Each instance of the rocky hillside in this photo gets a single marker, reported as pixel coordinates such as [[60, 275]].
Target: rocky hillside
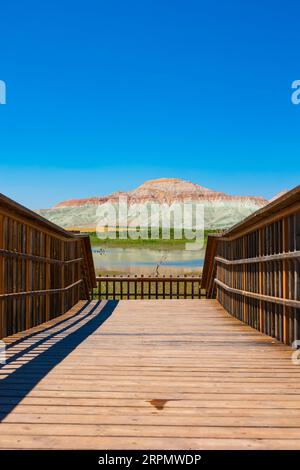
[[221, 210]]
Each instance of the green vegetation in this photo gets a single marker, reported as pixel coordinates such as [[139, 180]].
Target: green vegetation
[[120, 242]]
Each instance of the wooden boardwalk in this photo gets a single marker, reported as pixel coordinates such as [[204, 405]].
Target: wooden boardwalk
[[163, 374]]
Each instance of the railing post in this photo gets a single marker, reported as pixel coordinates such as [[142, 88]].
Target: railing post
[[285, 280], [2, 311], [47, 277], [261, 251], [28, 274]]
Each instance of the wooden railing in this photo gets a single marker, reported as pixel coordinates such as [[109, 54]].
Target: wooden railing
[[142, 287], [44, 270], [253, 269]]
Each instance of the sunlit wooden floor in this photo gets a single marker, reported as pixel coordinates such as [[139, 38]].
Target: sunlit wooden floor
[[163, 374]]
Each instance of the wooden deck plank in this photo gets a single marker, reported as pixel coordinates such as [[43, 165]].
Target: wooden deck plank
[[158, 374]]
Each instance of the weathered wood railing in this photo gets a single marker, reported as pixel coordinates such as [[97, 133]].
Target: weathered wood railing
[[145, 287], [253, 269], [44, 270]]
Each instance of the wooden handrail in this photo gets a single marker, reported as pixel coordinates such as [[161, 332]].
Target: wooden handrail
[[148, 287], [259, 259], [41, 292], [254, 295], [253, 269], [141, 278], [44, 269], [41, 259]]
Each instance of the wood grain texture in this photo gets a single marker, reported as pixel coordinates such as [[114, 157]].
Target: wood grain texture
[[44, 270], [148, 374], [255, 275]]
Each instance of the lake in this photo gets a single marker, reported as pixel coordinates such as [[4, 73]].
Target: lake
[[148, 261]]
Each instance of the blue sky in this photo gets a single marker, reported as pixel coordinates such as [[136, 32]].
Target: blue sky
[[103, 95]]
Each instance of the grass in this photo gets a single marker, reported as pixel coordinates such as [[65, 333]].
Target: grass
[[144, 242]]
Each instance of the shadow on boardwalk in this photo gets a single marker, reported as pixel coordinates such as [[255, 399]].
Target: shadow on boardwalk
[[46, 349]]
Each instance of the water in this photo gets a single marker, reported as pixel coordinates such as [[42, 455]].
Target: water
[[150, 261]]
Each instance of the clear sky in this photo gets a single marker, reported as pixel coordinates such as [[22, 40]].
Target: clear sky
[[105, 94]]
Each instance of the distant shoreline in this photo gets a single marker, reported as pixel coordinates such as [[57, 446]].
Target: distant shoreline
[[144, 242]]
